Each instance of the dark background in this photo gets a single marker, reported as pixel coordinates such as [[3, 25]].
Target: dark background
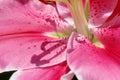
[[6, 75]]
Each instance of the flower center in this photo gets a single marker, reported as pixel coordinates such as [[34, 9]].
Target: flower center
[[79, 11]]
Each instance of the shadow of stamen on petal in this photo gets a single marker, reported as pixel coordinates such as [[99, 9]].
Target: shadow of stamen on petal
[[23, 1], [50, 50]]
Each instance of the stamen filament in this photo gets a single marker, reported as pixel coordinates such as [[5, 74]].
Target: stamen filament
[[79, 14]]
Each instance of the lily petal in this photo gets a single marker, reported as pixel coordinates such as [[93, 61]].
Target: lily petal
[[29, 16], [50, 73], [68, 76], [100, 11], [64, 13], [89, 62], [23, 43], [23, 52], [108, 34], [110, 38]]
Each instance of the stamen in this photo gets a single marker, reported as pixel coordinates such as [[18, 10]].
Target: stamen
[[87, 9], [80, 16], [79, 13]]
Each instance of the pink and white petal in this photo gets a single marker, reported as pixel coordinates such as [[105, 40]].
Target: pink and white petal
[[114, 19], [64, 13], [29, 16], [100, 11], [22, 40], [49, 73], [68, 76], [92, 63], [110, 38], [25, 51]]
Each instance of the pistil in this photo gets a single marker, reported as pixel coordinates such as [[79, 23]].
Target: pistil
[[79, 17], [79, 14]]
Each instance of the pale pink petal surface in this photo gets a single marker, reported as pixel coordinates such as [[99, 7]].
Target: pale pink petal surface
[[65, 13], [23, 26], [30, 51], [100, 10], [68, 76], [49, 73], [29, 16], [89, 62]]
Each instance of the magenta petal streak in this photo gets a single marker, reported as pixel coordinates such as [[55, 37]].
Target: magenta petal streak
[[110, 37], [92, 63]]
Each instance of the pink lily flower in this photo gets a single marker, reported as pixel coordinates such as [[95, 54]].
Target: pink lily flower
[[32, 39]]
